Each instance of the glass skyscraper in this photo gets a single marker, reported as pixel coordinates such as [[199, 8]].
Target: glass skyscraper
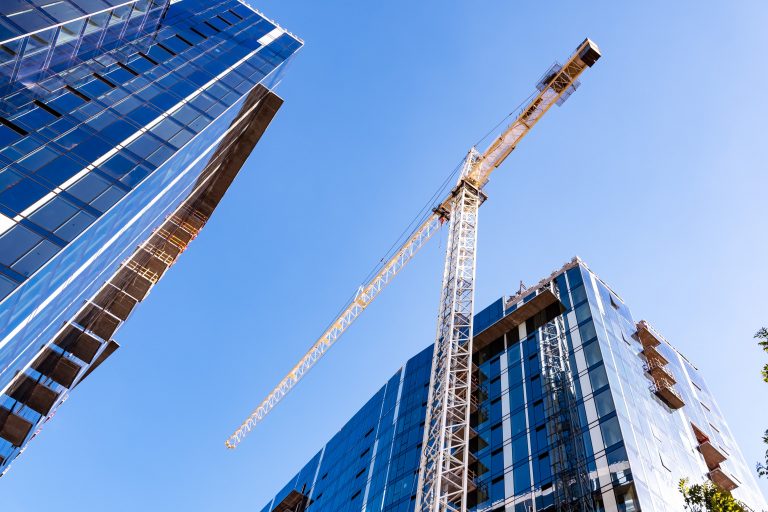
[[122, 123], [609, 422]]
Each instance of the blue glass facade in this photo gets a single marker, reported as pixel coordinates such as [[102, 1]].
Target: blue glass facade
[[634, 438], [110, 115]]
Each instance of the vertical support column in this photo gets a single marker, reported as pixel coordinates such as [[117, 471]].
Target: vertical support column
[[444, 470]]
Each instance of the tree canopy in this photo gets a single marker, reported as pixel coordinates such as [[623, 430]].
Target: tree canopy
[[707, 497], [762, 337]]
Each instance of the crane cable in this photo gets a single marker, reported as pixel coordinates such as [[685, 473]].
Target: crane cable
[[428, 207]]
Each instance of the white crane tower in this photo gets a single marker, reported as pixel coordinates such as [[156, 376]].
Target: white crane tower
[[444, 468]]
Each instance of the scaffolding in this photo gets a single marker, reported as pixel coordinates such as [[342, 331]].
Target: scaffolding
[[572, 489], [662, 379]]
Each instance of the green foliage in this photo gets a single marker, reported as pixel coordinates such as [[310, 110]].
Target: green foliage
[[762, 337], [762, 469], [707, 497]]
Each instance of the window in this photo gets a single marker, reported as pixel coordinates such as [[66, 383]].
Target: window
[[120, 75], [104, 80], [88, 187], [6, 286], [224, 20], [38, 159], [8, 136], [604, 403], [214, 27], [578, 294], [59, 170], [53, 214], [516, 398], [582, 312], [22, 195], [538, 412], [161, 52], [8, 178], [522, 479], [95, 88], [611, 431], [520, 449], [198, 33], [13, 126], [75, 226], [36, 258], [176, 44], [598, 377], [518, 423], [592, 353], [150, 59], [77, 93], [127, 68], [108, 198], [67, 102], [587, 331], [16, 242], [542, 469], [48, 109]]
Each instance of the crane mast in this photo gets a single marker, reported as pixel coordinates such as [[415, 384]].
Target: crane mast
[[444, 477]]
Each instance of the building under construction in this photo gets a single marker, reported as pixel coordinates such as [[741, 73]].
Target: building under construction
[[576, 406]]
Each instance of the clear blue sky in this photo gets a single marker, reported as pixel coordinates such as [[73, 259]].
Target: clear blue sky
[[654, 172]]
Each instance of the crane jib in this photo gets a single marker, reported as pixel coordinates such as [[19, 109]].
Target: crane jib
[[556, 85]]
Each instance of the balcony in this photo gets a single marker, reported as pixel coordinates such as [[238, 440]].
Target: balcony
[[116, 301], [80, 344], [13, 428], [713, 456], [57, 367], [648, 336], [722, 479], [669, 396], [654, 356], [31, 393], [660, 374], [293, 502], [98, 321]]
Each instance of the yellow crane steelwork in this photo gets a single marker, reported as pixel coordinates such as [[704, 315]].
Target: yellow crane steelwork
[[443, 471]]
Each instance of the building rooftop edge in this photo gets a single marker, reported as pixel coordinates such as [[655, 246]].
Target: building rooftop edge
[[249, 5], [575, 261]]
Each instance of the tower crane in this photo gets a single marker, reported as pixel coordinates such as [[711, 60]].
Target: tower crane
[[444, 467]]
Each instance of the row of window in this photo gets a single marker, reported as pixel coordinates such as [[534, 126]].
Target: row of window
[[57, 46], [97, 189]]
